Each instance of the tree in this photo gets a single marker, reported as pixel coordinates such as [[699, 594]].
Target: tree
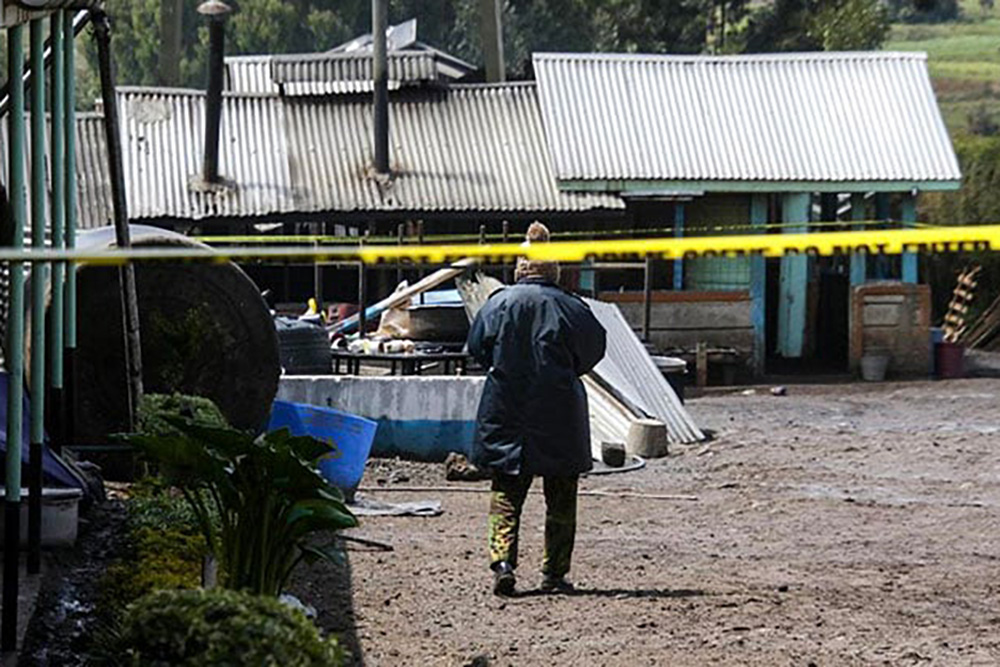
[[817, 25], [304, 26]]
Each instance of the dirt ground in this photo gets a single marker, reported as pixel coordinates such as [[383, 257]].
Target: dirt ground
[[836, 525]]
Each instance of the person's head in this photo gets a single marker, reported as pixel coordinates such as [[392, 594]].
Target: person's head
[[536, 268]]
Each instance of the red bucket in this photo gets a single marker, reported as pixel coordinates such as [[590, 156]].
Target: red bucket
[[949, 360]]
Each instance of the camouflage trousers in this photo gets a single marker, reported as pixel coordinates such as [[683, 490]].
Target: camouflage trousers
[[506, 500]]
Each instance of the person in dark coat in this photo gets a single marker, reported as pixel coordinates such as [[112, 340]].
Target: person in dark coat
[[535, 340]]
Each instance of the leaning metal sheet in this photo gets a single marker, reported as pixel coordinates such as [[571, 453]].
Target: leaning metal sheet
[[628, 371]]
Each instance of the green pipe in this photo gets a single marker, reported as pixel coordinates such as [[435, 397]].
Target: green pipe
[[39, 271], [15, 341], [39, 278], [59, 179], [67, 409], [15, 324], [70, 138]]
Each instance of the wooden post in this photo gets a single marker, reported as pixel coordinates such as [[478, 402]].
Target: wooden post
[[647, 294], [910, 268], [859, 268], [794, 281], [758, 287], [130, 306], [506, 237], [701, 363], [678, 232], [399, 242], [883, 268]]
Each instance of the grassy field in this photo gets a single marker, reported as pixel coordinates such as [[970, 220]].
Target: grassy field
[[964, 59]]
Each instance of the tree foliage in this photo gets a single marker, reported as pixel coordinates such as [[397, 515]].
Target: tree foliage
[[652, 26], [817, 25]]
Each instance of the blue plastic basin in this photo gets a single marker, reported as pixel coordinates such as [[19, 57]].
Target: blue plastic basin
[[349, 436]]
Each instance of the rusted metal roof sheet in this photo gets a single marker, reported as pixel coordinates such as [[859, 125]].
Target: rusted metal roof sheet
[[812, 117], [630, 374], [93, 183], [468, 148]]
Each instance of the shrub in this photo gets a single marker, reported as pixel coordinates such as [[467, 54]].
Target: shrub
[[155, 409], [221, 627], [165, 548], [257, 500]]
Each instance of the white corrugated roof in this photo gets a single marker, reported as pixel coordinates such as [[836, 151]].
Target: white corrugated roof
[[468, 148], [860, 117]]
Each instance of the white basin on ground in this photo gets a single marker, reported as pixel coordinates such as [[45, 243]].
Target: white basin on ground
[[60, 516]]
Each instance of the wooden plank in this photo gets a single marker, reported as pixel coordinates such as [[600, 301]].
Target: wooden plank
[[739, 339], [701, 364], [691, 316]]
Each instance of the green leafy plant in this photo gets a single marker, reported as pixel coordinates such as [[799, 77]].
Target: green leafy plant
[[155, 409], [257, 500], [219, 627]]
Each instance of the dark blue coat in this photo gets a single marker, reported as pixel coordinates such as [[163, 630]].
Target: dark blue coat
[[536, 340]]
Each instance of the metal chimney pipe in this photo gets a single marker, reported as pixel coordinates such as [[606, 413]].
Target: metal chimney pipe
[[380, 76], [216, 12]]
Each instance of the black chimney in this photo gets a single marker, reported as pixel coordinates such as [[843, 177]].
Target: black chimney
[[380, 76], [216, 12]]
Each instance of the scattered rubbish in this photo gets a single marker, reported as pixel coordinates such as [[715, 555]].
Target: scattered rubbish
[[365, 506], [433, 280], [779, 391], [748, 392], [293, 602], [457, 468], [632, 463], [613, 454]]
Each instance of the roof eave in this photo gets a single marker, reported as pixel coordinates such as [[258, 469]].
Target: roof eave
[[624, 187]]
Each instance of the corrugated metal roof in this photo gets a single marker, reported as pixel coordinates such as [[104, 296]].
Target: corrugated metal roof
[[610, 419], [630, 374], [785, 117], [93, 191], [467, 148], [162, 146], [250, 75], [336, 73]]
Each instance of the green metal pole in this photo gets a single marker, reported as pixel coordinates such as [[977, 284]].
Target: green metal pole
[[68, 411], [58, 95], [15, 342], [39, 278]]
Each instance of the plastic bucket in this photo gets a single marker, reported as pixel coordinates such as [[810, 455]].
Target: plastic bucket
[[874, 366], [949, 360], [349, 436]]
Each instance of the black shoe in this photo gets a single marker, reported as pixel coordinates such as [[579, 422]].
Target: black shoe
[[552, 583], [503, 579]]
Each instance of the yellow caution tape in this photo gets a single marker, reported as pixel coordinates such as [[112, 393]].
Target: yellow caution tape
[[923, 241], [434, 239]]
